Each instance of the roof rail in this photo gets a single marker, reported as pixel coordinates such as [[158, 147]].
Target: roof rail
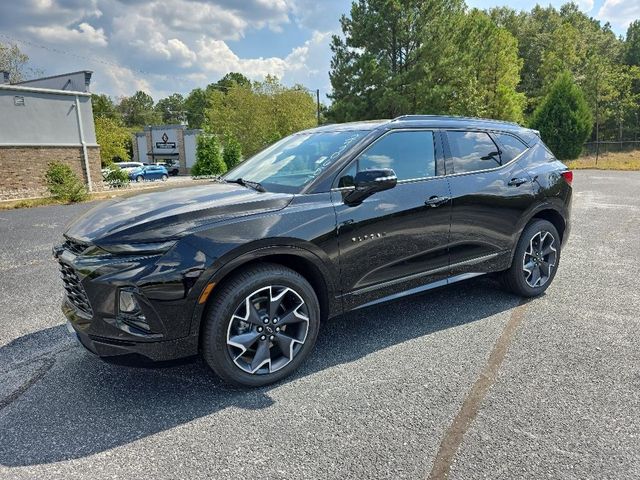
[[450, 117]]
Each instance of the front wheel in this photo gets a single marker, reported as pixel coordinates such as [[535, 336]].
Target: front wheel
[[261, 325], [165, 177], [535, 260], [139, 178]]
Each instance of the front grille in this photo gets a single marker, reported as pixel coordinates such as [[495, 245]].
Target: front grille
[[75, 246], [75, 291]]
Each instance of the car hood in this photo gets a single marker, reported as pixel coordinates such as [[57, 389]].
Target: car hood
[[160, 216]]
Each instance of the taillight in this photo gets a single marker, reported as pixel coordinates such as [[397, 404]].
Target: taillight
[[568, 176]]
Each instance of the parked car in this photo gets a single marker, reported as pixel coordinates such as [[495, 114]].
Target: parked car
[[171, 167], [128, 166], [244, 270], [149, 172]]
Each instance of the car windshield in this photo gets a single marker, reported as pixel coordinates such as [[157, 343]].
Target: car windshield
[[294, 161]]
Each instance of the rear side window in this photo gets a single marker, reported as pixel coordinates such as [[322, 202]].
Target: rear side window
[[411, 154], [511, 147], [472, 151]]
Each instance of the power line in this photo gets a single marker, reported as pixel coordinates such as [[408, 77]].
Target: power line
[[93, 59]]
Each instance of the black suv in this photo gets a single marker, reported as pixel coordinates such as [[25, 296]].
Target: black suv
[[244, 269]]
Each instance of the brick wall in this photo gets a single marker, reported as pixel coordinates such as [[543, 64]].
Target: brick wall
[[22, 169]]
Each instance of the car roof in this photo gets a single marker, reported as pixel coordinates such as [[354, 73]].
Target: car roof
[[424, 121]]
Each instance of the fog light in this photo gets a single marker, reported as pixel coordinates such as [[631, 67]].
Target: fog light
[[127, 302]]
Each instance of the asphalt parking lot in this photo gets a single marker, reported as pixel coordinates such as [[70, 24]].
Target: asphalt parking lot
[[467, 380]]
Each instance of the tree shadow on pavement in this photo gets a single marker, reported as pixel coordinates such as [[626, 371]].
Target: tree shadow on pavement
[[81, 405]]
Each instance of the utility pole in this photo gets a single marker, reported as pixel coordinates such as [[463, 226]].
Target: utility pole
[[318, 104], [597, 119]]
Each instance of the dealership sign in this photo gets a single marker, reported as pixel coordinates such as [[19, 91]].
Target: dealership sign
[[165, 144]]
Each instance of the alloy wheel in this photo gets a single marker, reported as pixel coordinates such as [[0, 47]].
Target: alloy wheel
[[267, 330], [539, 259]]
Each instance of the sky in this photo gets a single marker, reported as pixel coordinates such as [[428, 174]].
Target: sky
[[166, 46]]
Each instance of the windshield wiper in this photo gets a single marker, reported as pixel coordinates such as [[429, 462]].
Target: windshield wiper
[[248, 183]]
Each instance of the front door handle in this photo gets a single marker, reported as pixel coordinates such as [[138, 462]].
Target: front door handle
[[436, 201], [516, 182]]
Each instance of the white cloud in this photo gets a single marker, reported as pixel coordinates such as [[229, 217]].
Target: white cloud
[[215, 56], [83, 33], [620, 12], [120, 81]]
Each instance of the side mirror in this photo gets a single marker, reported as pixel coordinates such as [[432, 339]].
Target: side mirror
[[368, 182]]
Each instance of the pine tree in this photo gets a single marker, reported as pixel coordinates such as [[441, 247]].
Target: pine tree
[[563, 118], [209, 160]]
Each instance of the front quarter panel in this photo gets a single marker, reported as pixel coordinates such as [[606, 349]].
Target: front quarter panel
[[305, 228]]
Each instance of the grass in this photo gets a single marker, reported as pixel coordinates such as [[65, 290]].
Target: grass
[[608, 161]]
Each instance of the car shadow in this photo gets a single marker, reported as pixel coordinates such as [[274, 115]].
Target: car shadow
[[80, 405]]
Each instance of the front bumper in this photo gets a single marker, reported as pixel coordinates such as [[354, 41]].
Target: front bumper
[[165, 288], [113, 347]]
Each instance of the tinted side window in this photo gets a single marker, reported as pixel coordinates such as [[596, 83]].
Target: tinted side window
[[511, 147], [472, 151], [410, 154]]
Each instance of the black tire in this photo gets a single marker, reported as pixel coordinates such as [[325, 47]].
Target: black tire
[[230, 297], [165, 177], [519, 280], [139, 178]]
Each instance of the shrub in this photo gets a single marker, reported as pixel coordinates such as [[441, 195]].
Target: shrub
[[116, 177], [64, 184], [232, 153], [209, 159], [563, 118]]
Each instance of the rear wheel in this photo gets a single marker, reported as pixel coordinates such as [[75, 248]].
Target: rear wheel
[[261, 325], [535, 260]]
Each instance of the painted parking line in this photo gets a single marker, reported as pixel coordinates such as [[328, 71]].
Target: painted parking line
[[473, 401]]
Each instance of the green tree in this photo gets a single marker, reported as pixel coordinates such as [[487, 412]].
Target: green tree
[[423, 56], [389, 56], [563, 118], [114, 140], [632, 44], [209, 159], [103, 107], [14, 61], [233, 79], [171, 109], [137, 110], [491, 69], [195, 106], [259, 114], [232, 153]]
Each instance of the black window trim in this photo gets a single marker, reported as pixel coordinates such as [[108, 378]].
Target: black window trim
[[439, 157], [491, 133]]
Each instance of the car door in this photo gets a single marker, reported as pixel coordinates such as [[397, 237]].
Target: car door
[[152, 172], [490, 191], [396, 239]]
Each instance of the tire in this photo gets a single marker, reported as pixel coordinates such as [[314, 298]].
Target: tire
[[139, 178], [227, 318], [530, 256], [165, 177]]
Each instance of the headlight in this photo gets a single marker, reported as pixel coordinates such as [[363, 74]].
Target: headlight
[[139, 248]]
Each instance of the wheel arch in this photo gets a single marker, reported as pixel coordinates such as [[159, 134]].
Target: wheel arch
[[554, 217], [545, 211], [300, 260]]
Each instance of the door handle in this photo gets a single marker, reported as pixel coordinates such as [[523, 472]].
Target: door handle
[[436, 201], [516, 182]]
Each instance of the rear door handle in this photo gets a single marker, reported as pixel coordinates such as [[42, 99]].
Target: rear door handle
[[436, 201], [516, 182]]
